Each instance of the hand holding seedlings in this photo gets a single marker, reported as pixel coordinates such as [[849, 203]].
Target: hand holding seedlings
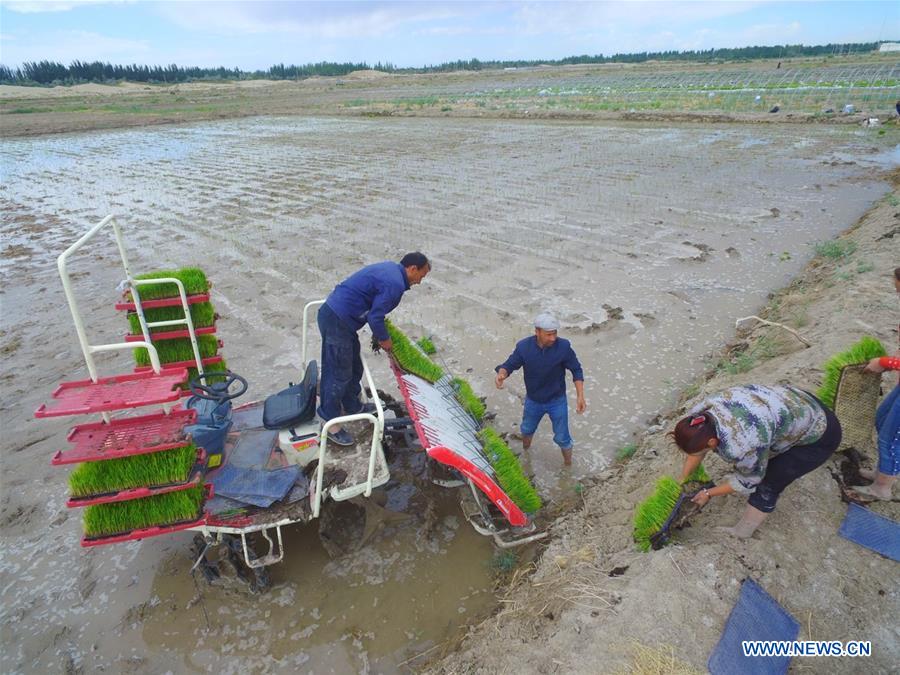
[[501, 375]]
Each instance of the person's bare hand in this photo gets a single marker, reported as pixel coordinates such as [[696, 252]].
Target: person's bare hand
[[701, 498], [580, 406], [874, 366], [386, 345], [499, 380]]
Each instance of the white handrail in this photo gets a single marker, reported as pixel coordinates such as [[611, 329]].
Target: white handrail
[[187, 320], [377, 421], [306, 309]]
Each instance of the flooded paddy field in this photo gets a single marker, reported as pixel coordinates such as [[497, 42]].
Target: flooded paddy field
[[648, 242]]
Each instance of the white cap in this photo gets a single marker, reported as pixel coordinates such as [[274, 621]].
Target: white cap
[[546, 321]]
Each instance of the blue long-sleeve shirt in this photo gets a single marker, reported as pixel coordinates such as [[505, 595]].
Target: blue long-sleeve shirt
[[368, 295], [545, 369]]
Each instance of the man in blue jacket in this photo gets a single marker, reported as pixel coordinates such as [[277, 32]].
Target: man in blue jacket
[[365, 297], [545, 358]]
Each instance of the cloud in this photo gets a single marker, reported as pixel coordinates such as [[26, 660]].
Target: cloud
[[46, 6], [564, 18], [313, 19], [68, 46]]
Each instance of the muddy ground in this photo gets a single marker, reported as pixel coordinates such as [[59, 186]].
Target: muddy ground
[[648, 241]]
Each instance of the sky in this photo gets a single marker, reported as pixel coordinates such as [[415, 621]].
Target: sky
[[256, 35]]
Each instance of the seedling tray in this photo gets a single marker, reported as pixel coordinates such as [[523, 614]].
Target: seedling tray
[[193, 479], [172, 334], [118, 392], [164, 302], [127, 436], [183, 365], [135, 535]]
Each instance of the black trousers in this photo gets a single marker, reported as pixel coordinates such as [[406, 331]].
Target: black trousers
[[795, 462]]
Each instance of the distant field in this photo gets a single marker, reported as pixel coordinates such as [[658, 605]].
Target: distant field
[[802, 89]]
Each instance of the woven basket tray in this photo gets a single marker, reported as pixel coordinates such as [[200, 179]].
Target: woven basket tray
[[855, 404]]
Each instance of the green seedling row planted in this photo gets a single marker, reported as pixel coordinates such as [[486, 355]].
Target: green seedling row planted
[[467, 398], [174, 351], [509, 472], [410, 357], [652, 513], [150, 470], [866, 349], [202, 314], [160, 510], [193, 279], [427, 346]]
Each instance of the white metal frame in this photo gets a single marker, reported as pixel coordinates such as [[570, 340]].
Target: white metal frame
[[377, 421], [87, 349]]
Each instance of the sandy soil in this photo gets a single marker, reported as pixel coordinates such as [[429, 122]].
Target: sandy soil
[[630, 232], [594, 604]]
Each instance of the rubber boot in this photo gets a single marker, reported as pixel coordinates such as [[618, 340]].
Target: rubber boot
[[746, 526]]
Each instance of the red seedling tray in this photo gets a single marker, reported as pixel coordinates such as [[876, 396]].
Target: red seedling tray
[[167, 367], [193, 479], [125, 437], [164, 302], [134, 535], [172, 334], [84, 397]]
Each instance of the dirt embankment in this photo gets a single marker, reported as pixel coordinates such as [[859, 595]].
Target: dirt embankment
[[592, 603]]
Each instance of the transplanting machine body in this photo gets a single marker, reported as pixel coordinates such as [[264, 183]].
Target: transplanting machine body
[[253, 468]]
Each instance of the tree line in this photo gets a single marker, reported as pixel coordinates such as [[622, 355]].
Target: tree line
[[52, 72]]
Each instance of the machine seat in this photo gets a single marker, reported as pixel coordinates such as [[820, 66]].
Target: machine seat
[[295, 405]]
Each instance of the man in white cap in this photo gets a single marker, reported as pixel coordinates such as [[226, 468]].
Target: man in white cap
[[545, 359]]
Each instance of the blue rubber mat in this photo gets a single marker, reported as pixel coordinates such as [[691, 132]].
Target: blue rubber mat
[[756, 616], [867, 528], [253, 486]]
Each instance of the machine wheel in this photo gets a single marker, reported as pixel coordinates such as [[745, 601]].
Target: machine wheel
[[257, 579], [209, 570]]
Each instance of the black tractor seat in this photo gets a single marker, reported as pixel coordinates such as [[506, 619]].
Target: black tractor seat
[[295, 405]]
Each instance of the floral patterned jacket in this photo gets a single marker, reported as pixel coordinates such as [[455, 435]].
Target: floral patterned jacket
[[755, 423]]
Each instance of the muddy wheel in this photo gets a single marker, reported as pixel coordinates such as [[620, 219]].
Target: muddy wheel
[[257, 579], [342, 526], [209, 570]]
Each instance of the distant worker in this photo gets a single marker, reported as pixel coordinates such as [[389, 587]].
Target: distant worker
[[365, 297], [771, 435], [887, 423], [545, 358]]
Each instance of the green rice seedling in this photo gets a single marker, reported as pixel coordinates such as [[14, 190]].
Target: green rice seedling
[[202, 314], [410, 358], [467, 398], [504, 562], [509, 472], [626, 452], [426, 345], [149, 470], [174, 351], [119, 517], [219, 367], [193, 279], [652, 513], [864, 350], [698, 475]]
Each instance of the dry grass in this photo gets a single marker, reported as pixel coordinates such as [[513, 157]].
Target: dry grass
[[659, 660]]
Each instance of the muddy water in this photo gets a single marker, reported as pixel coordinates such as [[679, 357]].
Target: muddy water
[[647, 242]]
